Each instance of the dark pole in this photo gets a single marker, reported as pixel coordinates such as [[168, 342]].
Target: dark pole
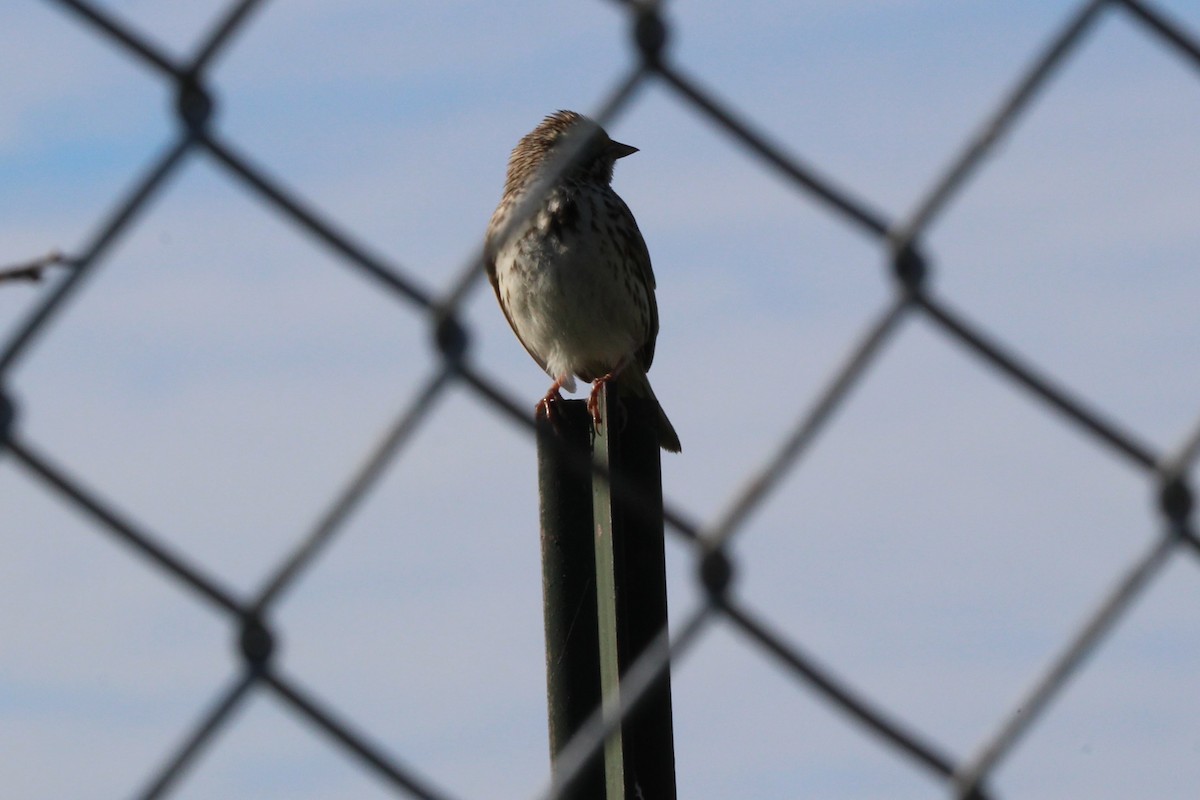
[[569, 585], [605, 594]]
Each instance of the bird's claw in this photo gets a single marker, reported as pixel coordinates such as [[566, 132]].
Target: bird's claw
[[547, 407], [593, 401]]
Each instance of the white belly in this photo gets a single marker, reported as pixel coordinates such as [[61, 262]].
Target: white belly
[[569, 298]]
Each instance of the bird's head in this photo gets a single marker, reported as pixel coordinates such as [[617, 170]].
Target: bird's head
[[565, 141]]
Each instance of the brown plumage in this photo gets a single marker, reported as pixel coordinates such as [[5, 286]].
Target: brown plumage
[[574, 279]]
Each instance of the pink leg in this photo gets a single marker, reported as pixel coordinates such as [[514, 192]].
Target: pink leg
[[545, 406], [593, 403]]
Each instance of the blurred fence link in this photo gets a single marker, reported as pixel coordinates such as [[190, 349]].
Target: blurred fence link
[[965, 774]]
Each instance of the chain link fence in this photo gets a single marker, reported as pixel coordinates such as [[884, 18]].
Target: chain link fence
[[965, 770]]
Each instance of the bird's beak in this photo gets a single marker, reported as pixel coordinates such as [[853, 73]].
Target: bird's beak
[[619, 150]]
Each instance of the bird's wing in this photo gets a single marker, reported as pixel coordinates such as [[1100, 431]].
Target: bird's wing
[[634, 247], [489, 266]]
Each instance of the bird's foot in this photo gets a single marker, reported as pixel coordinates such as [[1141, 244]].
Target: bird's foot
[[593, 402], [547, 407]]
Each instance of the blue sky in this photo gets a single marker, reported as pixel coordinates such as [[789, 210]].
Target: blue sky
[[222, 374]]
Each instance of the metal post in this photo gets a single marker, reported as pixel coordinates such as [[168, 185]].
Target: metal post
[[604, 582], [569, 584]]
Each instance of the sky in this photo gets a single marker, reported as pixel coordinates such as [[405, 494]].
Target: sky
[[222, 374]]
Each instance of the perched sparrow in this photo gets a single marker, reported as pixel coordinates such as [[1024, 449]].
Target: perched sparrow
[[574, 280]]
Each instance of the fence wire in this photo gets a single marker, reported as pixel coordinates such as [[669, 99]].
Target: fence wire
[[965, 774]]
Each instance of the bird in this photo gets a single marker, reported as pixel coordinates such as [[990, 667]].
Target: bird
[[570, 268]]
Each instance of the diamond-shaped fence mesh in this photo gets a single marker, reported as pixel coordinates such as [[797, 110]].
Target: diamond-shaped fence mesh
[[964, 768]]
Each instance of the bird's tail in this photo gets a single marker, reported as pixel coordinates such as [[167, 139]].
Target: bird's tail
[[634, 382]]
